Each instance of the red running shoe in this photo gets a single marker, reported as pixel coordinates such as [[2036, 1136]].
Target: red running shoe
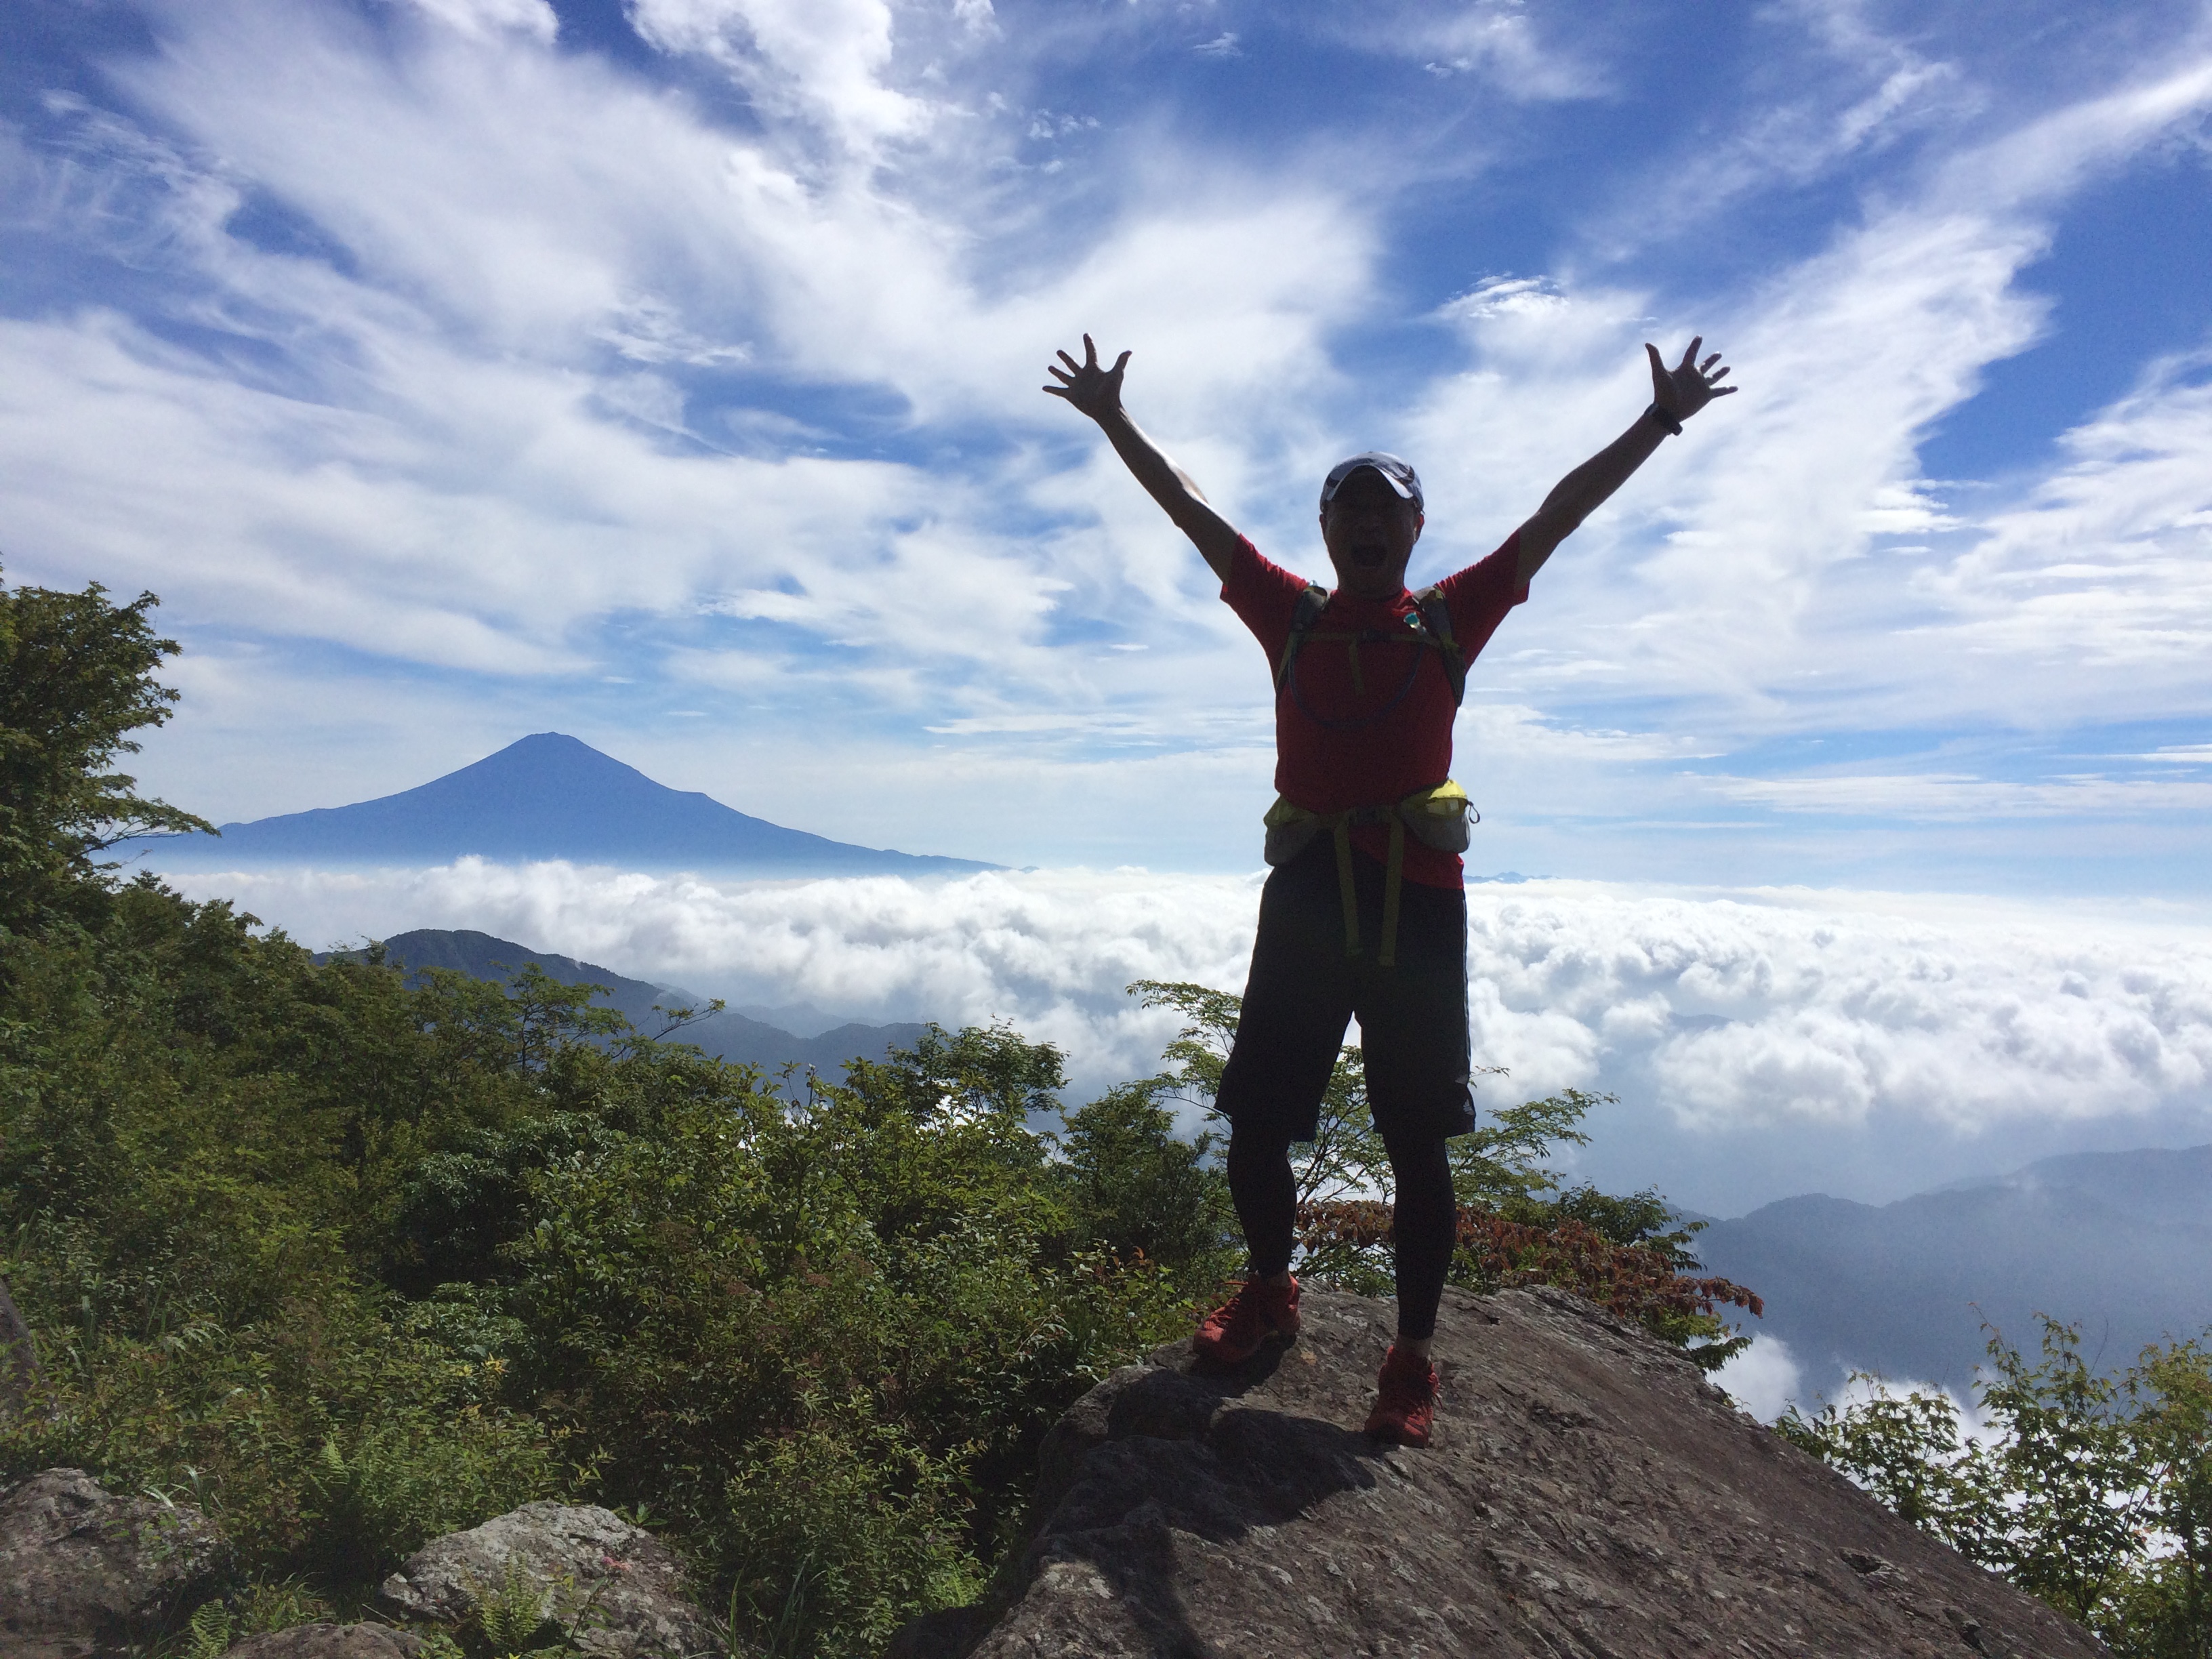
[[1235, 1330], [1405, 1399]]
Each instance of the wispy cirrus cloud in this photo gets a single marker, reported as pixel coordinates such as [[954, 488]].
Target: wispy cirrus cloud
[[823, 58], [1964, 797], [480, 19], [2105, 568], [439, 339], [1757, 579]]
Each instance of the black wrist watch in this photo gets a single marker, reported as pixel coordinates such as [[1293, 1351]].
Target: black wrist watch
[[1665, 419]]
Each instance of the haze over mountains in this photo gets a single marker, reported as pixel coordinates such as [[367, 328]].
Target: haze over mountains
[[728, 1035], [547, 796], [2118, 1244]]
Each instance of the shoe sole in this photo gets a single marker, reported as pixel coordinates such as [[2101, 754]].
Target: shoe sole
[[1391, 1438]]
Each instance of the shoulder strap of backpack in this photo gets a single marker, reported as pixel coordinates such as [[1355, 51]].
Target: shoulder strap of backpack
[[1303, 615], [1435, 621]]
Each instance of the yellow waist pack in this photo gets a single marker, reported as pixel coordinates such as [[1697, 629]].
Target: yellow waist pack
[[1438, 816]]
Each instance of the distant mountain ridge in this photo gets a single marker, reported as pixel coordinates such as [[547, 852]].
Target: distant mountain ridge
[[2118, 1243], [546, 796], [728, 1035]]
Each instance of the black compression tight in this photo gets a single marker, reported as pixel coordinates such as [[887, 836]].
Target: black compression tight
[[1266, 1196], [1425, 1222]]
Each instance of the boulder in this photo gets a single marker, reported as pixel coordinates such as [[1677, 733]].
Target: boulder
[[1588, 1492], [83, 1571], [329, 1642], [619, 1589]]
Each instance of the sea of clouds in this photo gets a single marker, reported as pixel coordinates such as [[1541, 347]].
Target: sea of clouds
[[1766, 1380], [1761, 1042]]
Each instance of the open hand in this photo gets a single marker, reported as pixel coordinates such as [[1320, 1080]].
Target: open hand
[[1682, 390], [1097, 392]]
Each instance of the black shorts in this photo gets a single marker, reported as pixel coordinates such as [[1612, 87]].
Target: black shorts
[[1304, 990]]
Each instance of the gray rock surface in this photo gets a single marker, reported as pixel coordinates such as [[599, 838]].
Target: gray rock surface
[[1589, 1493], [620, 1588], [329, 1642], [19, 1355], [83, 1571]]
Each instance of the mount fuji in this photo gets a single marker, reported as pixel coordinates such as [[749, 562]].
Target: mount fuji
[[548, 796]]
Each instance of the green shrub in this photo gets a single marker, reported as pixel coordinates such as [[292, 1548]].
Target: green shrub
[[77, 677], [322, 1441], [352, 1263], [1136, 1190], [2092, 1491], [834, 1534]]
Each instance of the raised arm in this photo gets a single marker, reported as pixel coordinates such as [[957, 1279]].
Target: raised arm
[[1677, 393], [1097, 392]]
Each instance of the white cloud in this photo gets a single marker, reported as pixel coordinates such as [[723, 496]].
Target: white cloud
[[1756, 1011], [1050, 952], [1825, 90], [2102, 573], [1962, 798], [2054, 154], [350, 526], [1779, 1014], [1495, 40], [826, 56], [1893, 87], [480, 19], [554, 371], [1764, 1379], [1741, 579], [451, 469]]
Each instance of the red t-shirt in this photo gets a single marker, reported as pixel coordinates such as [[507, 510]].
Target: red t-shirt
[[1338, 744]]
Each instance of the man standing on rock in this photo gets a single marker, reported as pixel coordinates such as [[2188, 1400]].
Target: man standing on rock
[[1364, 912]]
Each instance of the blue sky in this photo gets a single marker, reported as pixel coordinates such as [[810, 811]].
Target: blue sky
[[665, 373]]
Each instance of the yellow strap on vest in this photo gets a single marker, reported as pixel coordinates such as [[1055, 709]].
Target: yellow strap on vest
[[1446, 799], [1391, 881], [1342, 827]]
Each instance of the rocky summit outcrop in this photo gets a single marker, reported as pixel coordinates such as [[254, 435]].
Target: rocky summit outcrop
[[618, 1589], [1589, 1493], [83, 1571]]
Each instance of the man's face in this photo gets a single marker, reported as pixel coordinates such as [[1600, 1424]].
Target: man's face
[[1370, 530]]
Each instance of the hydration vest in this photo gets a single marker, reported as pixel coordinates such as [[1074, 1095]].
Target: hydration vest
[[1438, 815], [1427, 625]]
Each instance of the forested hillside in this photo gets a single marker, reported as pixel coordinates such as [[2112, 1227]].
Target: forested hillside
[[654, 1009]]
